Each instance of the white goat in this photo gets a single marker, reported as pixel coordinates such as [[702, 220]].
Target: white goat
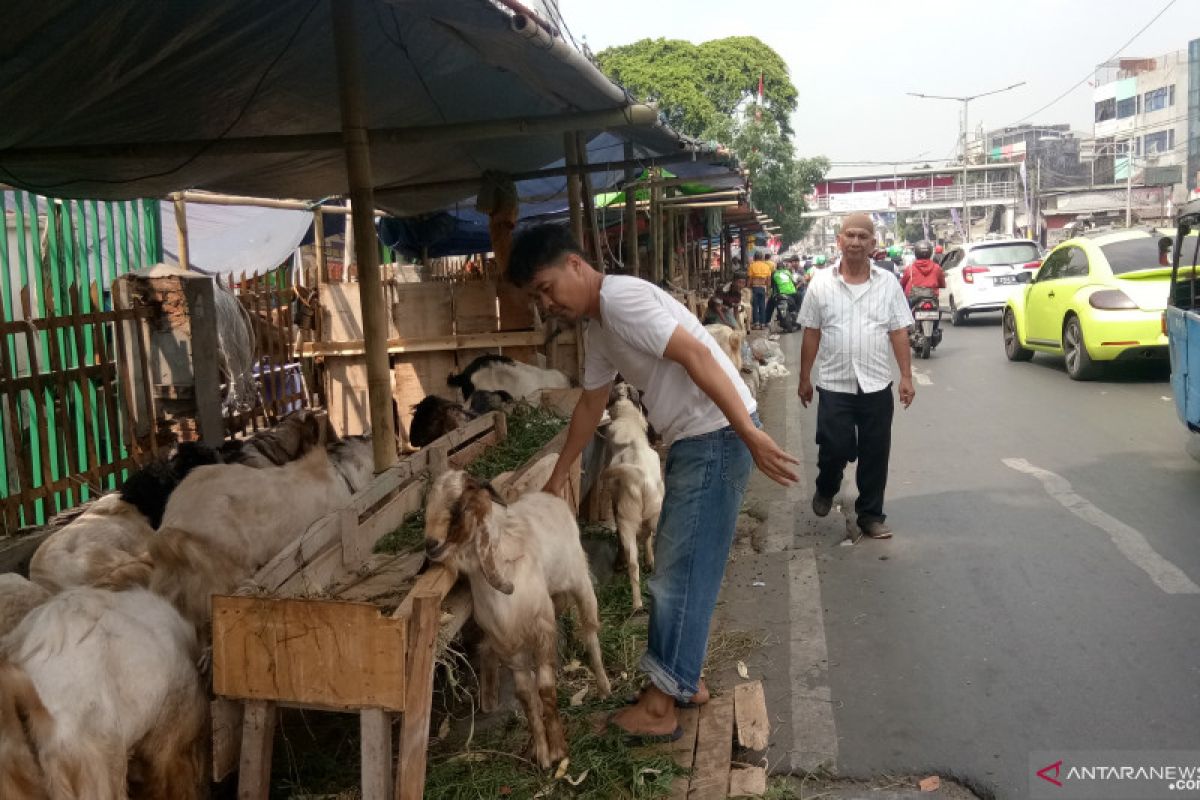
[[18, 597], [634, 483], [524, 562], [91, 680], [520, 381], [729, 341], [223, 523], [109, 534], [113, 530]]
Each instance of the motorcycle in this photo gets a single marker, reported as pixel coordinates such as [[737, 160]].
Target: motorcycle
[[786, 310], [926, 332]]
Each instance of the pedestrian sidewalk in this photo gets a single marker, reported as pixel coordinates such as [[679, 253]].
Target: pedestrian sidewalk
[[772, 597]]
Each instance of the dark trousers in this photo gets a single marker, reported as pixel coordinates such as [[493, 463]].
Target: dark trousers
[[758, 305], [849, 427]]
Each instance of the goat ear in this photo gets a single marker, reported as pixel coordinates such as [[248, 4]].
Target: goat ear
[[478, 510]]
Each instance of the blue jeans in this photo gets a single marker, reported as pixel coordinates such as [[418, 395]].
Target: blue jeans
[[758, 305], [705, 480]]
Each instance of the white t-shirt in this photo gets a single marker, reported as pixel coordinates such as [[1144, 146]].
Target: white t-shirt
[[636, 321]]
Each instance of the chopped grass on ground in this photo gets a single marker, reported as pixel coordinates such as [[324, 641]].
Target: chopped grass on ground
[[409, 537], [529, 429]]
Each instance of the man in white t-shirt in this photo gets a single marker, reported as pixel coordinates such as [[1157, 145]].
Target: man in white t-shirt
[[702, 408]]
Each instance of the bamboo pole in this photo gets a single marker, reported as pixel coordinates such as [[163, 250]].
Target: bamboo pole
[[574, 194], [358, 169], [319, 246], [182, 228], [655, 267], [217, 199], [630, 213], [589, 202], [672, 226]]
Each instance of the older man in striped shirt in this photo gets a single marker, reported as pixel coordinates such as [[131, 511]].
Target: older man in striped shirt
[[855, 318]]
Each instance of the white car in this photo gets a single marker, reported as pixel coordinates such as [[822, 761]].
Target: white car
[[980, 276]]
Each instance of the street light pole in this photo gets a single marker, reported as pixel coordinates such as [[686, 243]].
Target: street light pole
[[1128, 185], [964, 100]]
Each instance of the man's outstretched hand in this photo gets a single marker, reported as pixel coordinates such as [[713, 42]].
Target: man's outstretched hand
[[771, 459]]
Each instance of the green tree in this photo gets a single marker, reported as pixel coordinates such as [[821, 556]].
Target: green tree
[[703, 91], [778, 180], [700, 87]]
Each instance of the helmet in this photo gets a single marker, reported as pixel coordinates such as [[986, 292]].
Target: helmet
[[820, 261], [923, 249], [894, 251]]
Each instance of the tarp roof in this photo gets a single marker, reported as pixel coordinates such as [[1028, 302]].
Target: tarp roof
[[133, 98]]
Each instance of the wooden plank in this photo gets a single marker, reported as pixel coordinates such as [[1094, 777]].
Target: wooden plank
[[258, 739], [475, 308], [750, 713], [17, 451], [387, 482], [387, 580], [516, 308], [355, 347], [683, 751], [226, 736], [141, 335], [375, 727], [414, 729], [416, 376], [561, 401], [358, 540], [461, 458], [312, 652], [420, 311], [748, 782], [436, 580], [714, 748]]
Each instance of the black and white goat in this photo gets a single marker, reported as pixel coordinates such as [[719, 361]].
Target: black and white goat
[[634, 483], [115, 528], [496, 373], [524, 561]]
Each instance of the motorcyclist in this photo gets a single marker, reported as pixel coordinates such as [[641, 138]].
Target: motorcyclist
[[924, 273], [895, 254], [784, 295]]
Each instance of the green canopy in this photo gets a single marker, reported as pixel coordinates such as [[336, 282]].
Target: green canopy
[[606, 199]]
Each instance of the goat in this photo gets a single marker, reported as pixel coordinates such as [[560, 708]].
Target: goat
[[524, 561], [96, 686], [634, 483], [501, 374], [224, 523], [729, 340], [115, 528], [433, 418], [18, 596], [292, 437], [463, 380]]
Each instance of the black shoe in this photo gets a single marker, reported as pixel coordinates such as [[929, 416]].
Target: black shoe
[[876, 529], [821, 505]]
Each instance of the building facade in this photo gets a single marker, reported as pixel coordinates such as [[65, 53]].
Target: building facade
[[1142, 109]]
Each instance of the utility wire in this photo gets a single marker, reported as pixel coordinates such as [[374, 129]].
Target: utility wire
[[1093, 72]]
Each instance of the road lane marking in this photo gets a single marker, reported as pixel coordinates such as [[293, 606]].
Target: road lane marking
[[814, 730], [1129, 541], [922, 379]]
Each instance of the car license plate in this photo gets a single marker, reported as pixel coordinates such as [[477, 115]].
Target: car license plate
[[927, 315], [1004, 280]]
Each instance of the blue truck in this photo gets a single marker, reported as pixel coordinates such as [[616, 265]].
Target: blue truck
[[1182, 321]]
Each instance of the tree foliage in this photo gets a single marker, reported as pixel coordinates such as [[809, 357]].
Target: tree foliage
[[703, 90], [699, 87]]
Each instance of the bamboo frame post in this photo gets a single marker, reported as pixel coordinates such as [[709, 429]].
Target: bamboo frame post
[[630, 214], [589, 201], [574, 193], [655, 267], [182, 228], [358, 168], [672, 225], [319, 245]]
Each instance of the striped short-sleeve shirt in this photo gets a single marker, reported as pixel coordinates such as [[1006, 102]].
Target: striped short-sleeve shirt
[[854, 322]]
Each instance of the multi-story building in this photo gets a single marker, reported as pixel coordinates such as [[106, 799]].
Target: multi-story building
[[1050, 152], [1141, 121]]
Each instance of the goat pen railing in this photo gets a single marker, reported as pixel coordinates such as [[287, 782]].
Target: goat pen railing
[[63, 422]]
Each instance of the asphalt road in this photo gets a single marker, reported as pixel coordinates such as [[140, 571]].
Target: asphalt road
[[1013, 612]]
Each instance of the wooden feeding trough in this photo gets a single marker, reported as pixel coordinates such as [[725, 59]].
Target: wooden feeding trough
[[335, 627]]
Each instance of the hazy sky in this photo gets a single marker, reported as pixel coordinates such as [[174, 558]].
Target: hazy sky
[[852, 62]]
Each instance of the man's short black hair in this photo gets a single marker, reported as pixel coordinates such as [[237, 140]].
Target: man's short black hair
[[537, 248]]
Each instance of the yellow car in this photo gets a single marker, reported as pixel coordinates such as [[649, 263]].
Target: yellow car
[[1095, 298]]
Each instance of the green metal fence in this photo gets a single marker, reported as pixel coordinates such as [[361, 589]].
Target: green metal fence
[[62, 417]]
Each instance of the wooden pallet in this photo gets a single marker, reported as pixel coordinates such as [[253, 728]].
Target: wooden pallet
[[707, 745]]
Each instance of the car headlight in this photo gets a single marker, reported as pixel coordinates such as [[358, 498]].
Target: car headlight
[[1111, 300]]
